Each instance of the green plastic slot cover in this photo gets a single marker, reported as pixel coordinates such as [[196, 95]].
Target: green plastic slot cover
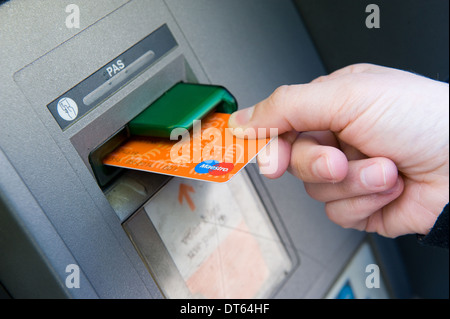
[[179, 107]]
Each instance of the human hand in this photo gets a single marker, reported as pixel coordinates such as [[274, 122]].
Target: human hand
[[371, 142]]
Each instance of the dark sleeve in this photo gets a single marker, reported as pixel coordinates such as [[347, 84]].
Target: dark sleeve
[[438, 235]]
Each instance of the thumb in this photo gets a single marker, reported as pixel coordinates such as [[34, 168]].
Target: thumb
[[317, 106]]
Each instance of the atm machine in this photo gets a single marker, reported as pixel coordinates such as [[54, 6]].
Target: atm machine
[[71, 227]]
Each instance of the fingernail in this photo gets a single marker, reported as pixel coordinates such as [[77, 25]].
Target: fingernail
[[240, 118], [373, 176], [322, 168]]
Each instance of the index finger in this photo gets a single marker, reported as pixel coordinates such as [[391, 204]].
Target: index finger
[[326, 103]]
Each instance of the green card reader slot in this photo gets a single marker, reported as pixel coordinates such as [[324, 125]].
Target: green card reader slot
[[177, 108]]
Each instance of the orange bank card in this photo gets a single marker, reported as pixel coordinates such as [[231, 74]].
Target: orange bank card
[[210, 152]]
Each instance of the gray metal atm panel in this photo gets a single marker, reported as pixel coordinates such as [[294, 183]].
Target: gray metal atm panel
[[250, 47]]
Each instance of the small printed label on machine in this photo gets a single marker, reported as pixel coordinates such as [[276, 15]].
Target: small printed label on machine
[[86, 95]]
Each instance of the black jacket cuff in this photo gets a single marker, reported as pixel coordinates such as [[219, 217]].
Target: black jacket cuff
[[438, 235]]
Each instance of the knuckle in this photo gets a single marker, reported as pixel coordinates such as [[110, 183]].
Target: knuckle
[[280, 95], [338, 216], [331, 213], [360, 67], [300, 170], [311, 190], [320, 79]]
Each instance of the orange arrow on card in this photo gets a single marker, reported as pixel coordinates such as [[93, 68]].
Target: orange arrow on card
[[184, 192]]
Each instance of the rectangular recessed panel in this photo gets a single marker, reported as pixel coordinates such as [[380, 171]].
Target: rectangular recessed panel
[[203, 240]]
